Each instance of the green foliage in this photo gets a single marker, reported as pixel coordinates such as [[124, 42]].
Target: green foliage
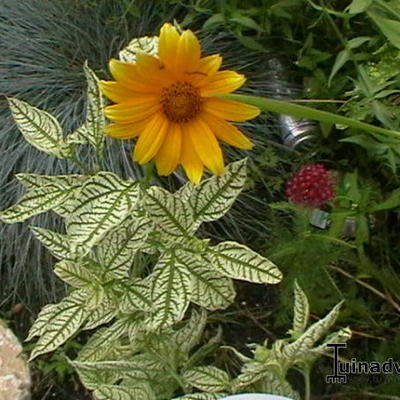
[[108, 220]]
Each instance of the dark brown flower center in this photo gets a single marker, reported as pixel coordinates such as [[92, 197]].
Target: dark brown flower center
[[181, 102]]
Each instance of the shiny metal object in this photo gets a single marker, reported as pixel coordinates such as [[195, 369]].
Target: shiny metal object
[[295, 132]]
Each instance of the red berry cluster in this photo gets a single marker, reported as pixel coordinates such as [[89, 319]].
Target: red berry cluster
[[312, 186]]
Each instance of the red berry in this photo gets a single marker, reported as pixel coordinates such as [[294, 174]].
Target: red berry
[[312, 186]]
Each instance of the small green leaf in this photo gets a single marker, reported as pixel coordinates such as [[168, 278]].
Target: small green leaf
[[39, 128], [341, 58], [358, 6], [393, 201], [389, 27], [239, 262]]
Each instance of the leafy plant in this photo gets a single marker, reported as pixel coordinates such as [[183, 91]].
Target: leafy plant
[[108, 220]]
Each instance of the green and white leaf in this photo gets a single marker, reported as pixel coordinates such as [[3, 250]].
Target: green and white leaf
[[305, 342], [39, 128], [103, 202], [272, 384], [170, 291], [137, 297], [102, 342], [252, 372], [239, 262], [47, 313], [210, 289], [92, 131], [171, 216], [55, 242], [190, 335], [103, 314], [34, 181], [70, 315], [74, 273], [213, 197], [208, 378], [301, 311], [202, 396], [118, 248], [35, 202], [140, 391], [340, 336], [145, 44]]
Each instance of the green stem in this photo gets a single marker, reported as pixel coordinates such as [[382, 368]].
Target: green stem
[[299, 111], [148, 173], [307, 383]]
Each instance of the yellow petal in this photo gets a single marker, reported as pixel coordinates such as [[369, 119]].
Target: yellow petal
[[208, 66], [169, 154], [129, 76], [168, 45], [151, 139], [116, 92], [125, 131], [133, 111], [227, 132], [188, 53], [190, 161], [205, 144], [229, 109], [223, 82]]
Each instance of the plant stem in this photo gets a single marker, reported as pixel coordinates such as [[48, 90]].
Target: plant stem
[[307, 383], [299, 111], [148, 173]]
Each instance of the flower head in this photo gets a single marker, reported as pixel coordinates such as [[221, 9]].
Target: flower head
[[312, 186], [168, 103]]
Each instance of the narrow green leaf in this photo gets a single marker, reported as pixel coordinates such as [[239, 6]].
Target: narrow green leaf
[[39, 128], [389, 27], [239, 262]]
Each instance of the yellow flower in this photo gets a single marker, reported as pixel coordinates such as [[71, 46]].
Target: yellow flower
[[167, 101]]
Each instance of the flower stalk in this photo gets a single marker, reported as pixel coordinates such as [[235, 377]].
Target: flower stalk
[[300, 111]]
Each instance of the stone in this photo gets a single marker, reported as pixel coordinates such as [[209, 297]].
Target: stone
[[15, 378]]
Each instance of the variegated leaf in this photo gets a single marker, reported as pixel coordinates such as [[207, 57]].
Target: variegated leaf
[[104, 201], [252, 372], [170, 291], [103, 314], [92, 131], [304, 343], [189, 336], [103, 341], [47, 313], [209, 289], [39, 128], [213, 197], [118, 248], [141, 391], [145, 44], [301, 310], [74, 273], [136, 297], [55, 242], [169, 213], [70, 315], [34, 181], [340, 336], [202, 396], [209, 379], [35, 202], [271, 383], [239, 262]]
